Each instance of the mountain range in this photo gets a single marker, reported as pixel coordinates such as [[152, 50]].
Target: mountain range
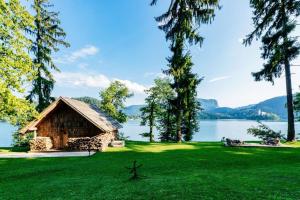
[[270, 109]]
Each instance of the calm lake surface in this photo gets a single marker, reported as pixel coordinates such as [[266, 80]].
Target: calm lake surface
[[210, 130]]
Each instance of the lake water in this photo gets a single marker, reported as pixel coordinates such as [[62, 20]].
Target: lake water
[[210, 130], [6, 131]]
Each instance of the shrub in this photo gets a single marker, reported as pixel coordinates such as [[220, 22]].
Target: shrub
[[265, 133], [22, 140]]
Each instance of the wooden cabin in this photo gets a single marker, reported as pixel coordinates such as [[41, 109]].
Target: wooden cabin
[[69, 118]]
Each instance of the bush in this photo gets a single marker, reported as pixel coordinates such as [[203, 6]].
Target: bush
[[22, 140], [265, 133]]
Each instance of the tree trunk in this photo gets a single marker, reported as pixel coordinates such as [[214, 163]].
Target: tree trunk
[[40, 96], [178, 126], [188, 133], [151, 123], [39, 63], [189, 128], [289, 91], [290, 107], [168, 134], [151, 134]]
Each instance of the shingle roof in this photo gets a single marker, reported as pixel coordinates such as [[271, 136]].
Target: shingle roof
[[90, 112]]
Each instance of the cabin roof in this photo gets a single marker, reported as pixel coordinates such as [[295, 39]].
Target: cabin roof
[[90, 112]]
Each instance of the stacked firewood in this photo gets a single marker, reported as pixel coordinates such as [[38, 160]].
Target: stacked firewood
[[41, 144], [117, 143], [98, 142], [81, 143]]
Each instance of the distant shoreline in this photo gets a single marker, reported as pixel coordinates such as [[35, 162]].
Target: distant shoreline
[[133, 119]]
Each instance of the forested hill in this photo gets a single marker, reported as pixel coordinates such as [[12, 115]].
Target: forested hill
[[270, 109]]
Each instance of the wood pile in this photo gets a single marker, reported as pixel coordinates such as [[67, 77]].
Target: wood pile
[[41, 144], [117, 143], [80, 143], [98, 142]]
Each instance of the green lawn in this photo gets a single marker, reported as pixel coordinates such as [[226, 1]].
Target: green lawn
[[13, 149], [5, 150], [173, 171]]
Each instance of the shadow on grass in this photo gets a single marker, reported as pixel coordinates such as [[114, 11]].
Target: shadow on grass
[[207, 155], [194, 156]]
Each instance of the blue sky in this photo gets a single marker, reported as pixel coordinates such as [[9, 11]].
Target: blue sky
[[119, 40]]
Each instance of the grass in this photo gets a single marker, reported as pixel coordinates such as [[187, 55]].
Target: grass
[[293, 144], [13, 149], [172, 171]]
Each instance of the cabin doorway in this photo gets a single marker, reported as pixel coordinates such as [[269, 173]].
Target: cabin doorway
[[57, 141], [60, 140], [64, 139]]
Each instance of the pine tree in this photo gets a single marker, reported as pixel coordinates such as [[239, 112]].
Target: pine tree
[[192, 107], [15, 62], [48, 35], [180, 23], [274, 23]]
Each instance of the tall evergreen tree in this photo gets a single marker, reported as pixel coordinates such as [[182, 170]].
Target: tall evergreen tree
[[191, 107], [15, 62], [48, 35], [274, 22], [181, 23]]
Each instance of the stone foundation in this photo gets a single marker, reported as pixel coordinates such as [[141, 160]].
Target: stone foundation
[[98, 142], [41, 144]]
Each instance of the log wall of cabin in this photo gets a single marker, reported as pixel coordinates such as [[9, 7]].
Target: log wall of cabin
[[63, 123]]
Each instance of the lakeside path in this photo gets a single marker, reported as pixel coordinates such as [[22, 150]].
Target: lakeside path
[[44, 154]]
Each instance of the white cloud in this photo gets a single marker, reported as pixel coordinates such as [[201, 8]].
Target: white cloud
[[154, 74], [84, 52], [219, 79], [76, 79], [132, 86], [88, 50], [71, 79]]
